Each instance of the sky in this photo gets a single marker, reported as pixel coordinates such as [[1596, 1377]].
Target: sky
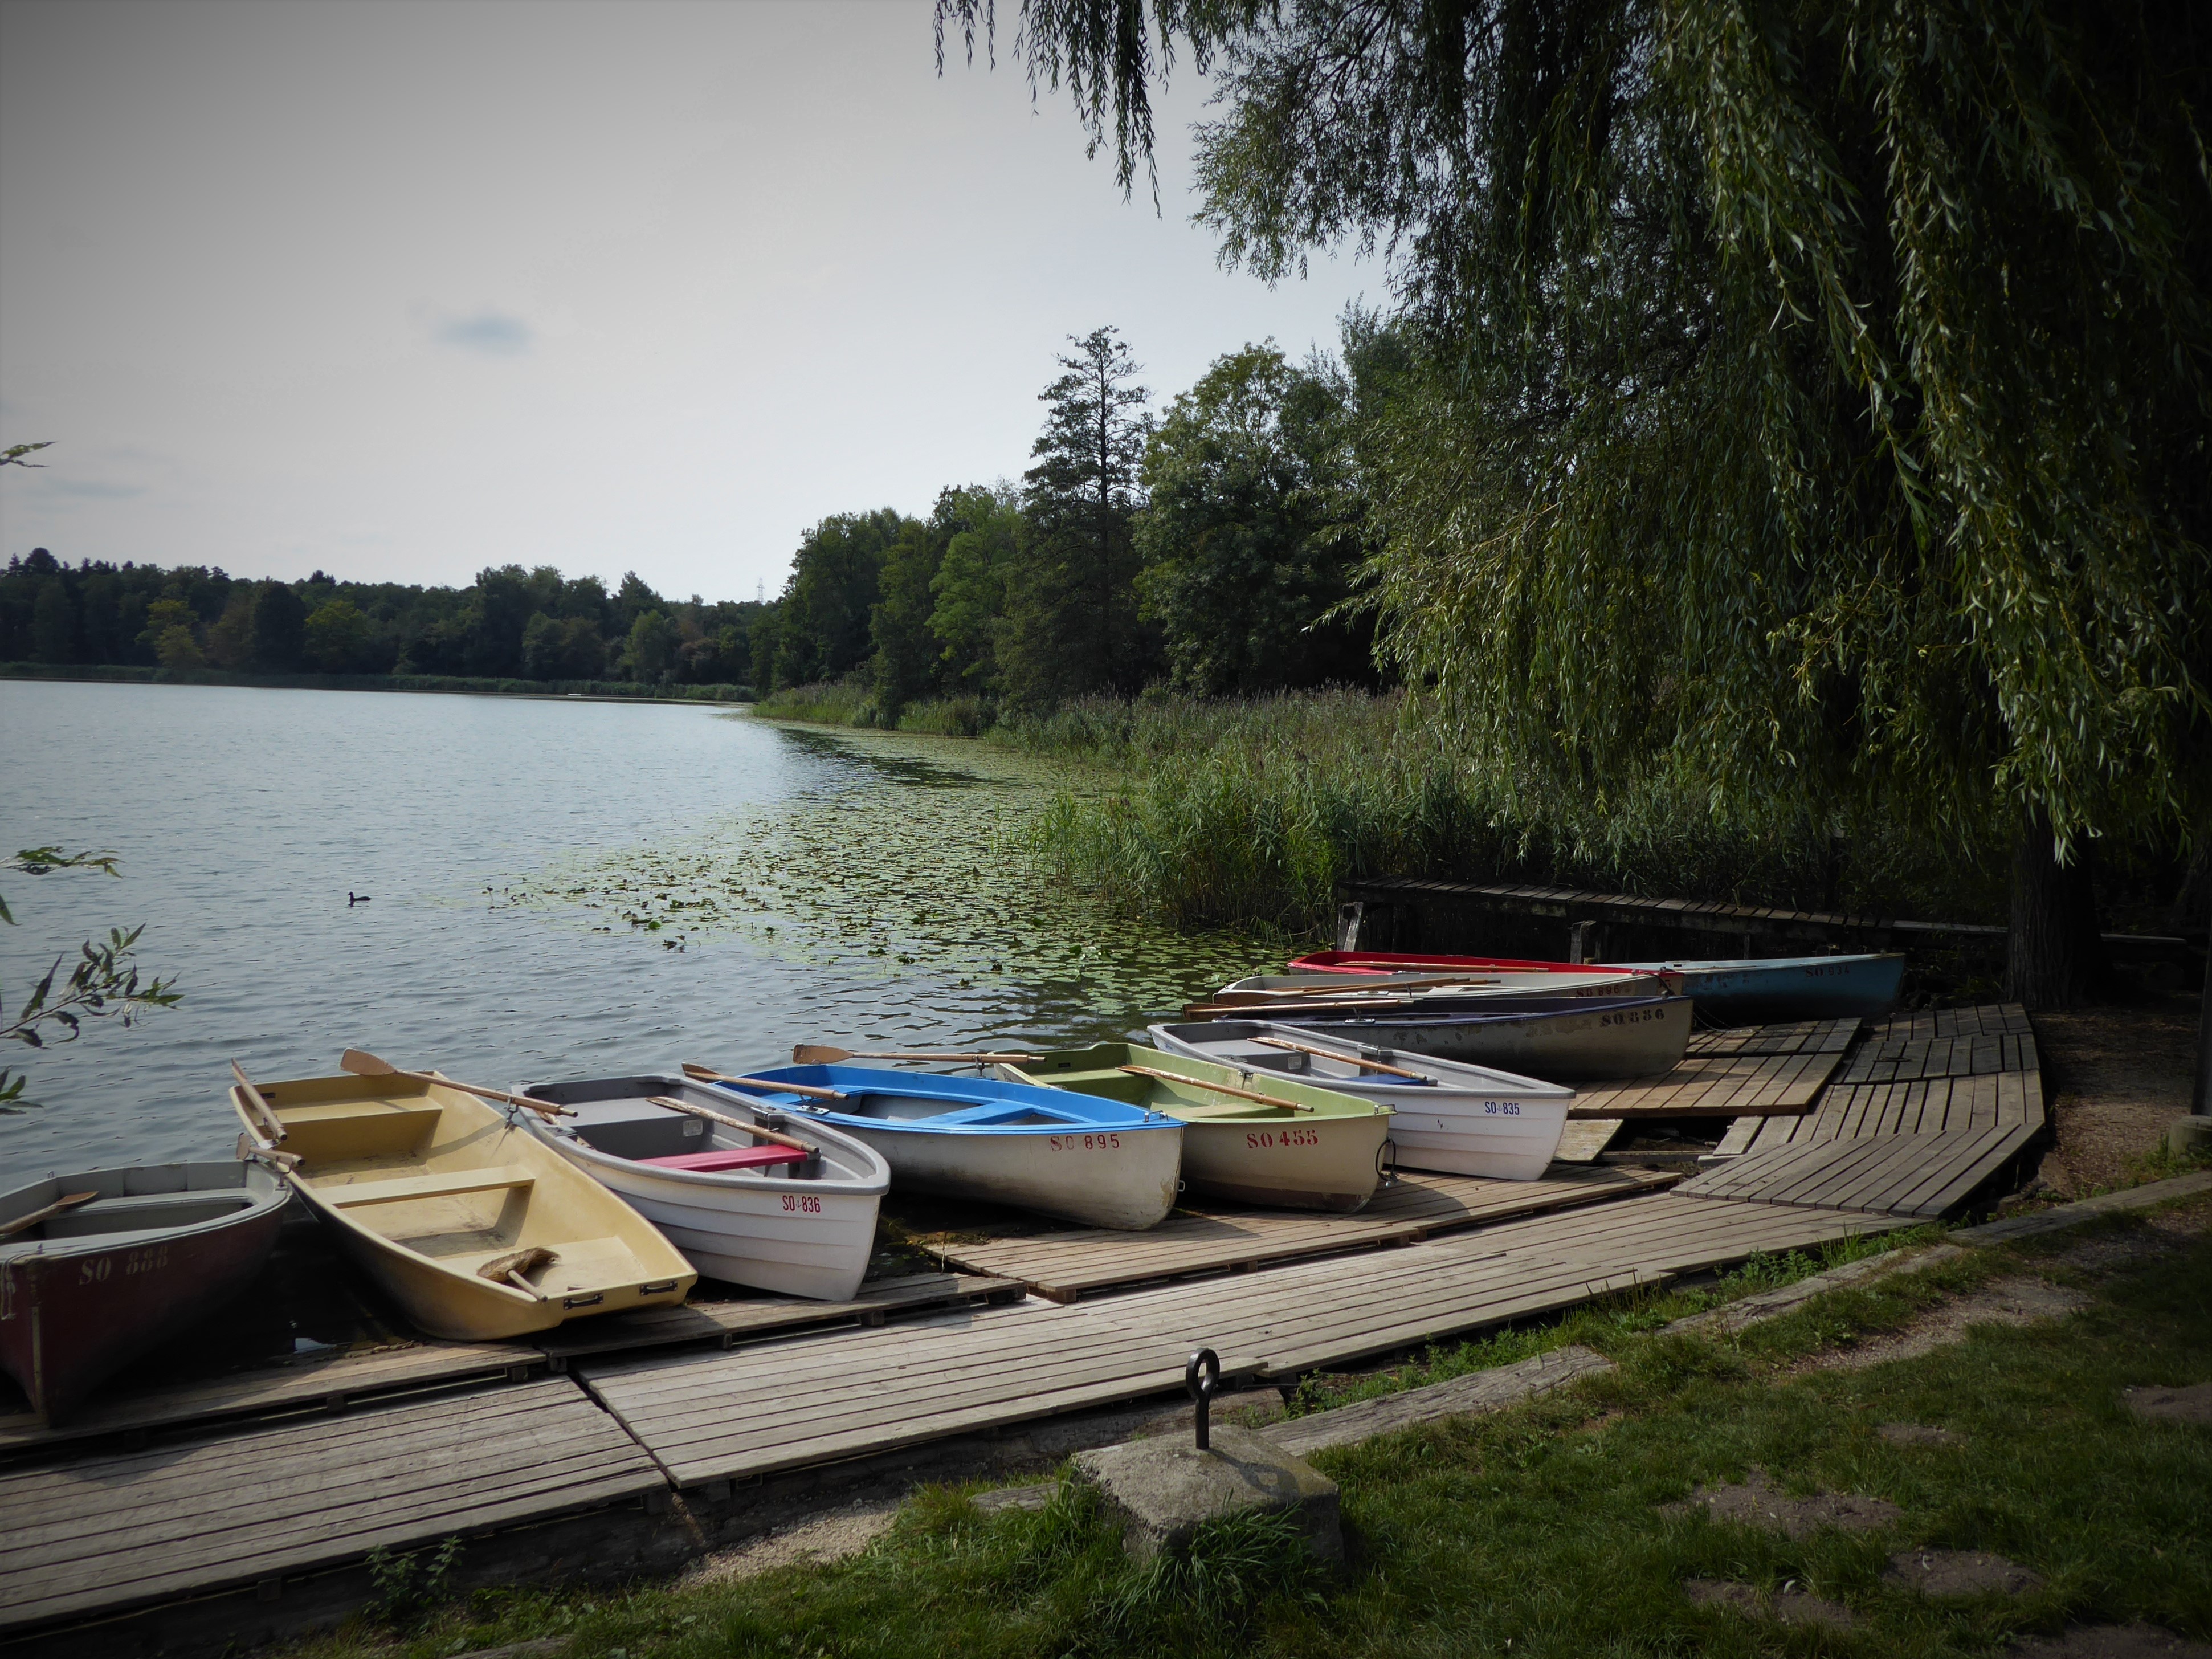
[[402, 289]]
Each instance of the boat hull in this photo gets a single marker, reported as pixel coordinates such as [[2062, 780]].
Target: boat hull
[[1465, 1120], [1124, 1179], [1324, 1151], [95, 1288], [1599, 1043], [1097, 1162], [357, 1136], [1757, 990], [1742, 991], [796, 1235]]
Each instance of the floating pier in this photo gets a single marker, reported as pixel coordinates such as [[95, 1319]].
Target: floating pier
[[227, 1511]]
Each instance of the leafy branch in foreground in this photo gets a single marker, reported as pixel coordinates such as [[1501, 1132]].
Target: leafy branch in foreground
[[103, 984]]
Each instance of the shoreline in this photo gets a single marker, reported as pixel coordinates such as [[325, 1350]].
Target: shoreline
[[439, 684]]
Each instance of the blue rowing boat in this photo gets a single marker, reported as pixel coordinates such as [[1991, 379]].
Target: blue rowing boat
[[1099, 1162]]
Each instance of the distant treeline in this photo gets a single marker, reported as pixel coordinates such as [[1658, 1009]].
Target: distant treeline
[[510, 623], [1211, 547], [1208, 547]]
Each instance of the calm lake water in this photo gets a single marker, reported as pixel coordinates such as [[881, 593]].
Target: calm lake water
[[557, 888]]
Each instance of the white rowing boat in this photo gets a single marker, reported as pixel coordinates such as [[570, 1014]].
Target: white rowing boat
[[740, 1207], [1456, 1118]]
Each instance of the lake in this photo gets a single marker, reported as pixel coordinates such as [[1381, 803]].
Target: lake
[[556, 887]]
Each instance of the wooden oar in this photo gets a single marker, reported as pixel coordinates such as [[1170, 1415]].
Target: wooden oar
[[23, 1224], [816, 1053], [367, 1065], [1305, 1010], [272, 1125], [1364, 1065], [1219, 1088], [760, 1085], [753, 1129], [1380, 985]]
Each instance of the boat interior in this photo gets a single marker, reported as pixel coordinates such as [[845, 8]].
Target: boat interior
[[944, 1115], [454, 1182], [128, 1208], [1098, 1071], [619, 1117]]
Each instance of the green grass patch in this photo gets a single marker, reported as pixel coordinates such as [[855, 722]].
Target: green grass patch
[[1540, 1531]]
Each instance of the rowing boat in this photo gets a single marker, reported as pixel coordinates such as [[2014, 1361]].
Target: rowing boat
[[119, 1261], [1563, 1042], [740, 1207], [1287, 990], [1097, 1162], [1252, 1136], [1460, 1119], [432, 1193], [1736, 991]]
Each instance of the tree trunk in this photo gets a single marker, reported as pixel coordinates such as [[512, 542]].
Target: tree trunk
[[2054, 956]]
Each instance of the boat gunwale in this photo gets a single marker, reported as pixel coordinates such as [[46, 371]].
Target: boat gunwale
[[1415, 1093], [56, 1249]]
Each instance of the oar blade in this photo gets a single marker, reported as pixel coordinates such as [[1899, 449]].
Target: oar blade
[[361, 1063], [815, 1053]]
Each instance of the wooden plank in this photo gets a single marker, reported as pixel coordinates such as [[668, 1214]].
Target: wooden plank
[[1065, 1265], [106, 1534], [1582, 1140], [328, 1382], [726, 1321]]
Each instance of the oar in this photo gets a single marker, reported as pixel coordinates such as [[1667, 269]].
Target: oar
[[23, 1224], [367, 1064], [760, 1085], [1375, 987], [272, 1125], [1306, 1010], [1364, 1065], [816, 1053], [753, 1129], [1220, 1088]]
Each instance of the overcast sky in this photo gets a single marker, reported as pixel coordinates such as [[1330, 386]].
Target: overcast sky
[[404, 289]]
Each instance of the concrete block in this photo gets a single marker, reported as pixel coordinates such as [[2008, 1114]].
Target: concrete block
[[1161, 1489], [2189, 1137]]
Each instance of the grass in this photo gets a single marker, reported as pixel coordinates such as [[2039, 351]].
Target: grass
[[1248, 813], [1538, 1531]]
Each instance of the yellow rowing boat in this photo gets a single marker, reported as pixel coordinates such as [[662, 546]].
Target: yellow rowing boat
[[452, 1208]]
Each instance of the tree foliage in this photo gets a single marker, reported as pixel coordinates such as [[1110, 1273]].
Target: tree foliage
[[1073, 622], [1814, 397], [1252, 531], [102, 983]]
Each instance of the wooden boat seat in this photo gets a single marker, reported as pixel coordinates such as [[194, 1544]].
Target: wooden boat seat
[[733, 1158], [450, 1184]]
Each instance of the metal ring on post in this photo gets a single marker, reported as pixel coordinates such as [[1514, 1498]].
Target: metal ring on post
[[1386, 1162], [1202, 1377]]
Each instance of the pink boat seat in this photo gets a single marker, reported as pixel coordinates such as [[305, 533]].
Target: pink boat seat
[[738, 1157]]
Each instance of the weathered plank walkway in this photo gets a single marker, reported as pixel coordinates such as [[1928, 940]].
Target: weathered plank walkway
[[708, 1417], [1918, 1113], [1062, 1266], [1923, 1114], [107, 1534], [1751, 1071]]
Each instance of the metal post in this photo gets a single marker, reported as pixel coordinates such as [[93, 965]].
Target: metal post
[[1578, 941], [1201, 1377]]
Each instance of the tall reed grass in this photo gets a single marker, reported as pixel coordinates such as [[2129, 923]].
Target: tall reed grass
[[1247, 812]]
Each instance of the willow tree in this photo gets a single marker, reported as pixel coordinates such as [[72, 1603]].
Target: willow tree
[[1817, 396]]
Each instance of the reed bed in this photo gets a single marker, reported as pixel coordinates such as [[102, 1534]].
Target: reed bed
[[1248, 813]]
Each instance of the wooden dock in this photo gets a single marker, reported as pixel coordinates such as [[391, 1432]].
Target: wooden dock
[[246, 1493], [1226, 1238], [1924, 1112]]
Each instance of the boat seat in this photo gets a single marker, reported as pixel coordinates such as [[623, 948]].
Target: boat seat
[[451, 1184], [732, 1157]]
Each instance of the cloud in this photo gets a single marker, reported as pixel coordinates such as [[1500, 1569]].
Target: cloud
[[91, 488], [488, 333]]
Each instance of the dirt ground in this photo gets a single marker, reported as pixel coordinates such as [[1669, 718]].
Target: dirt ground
[[2119, 1073]]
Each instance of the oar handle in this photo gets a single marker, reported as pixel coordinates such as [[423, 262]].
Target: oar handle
[[752, 1129], [760, 1085], [971, 1059], [1220, 1088], [1360, 1061], [272, 1125]]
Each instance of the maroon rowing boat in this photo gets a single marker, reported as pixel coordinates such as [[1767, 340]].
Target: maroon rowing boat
[[94, 1285]]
